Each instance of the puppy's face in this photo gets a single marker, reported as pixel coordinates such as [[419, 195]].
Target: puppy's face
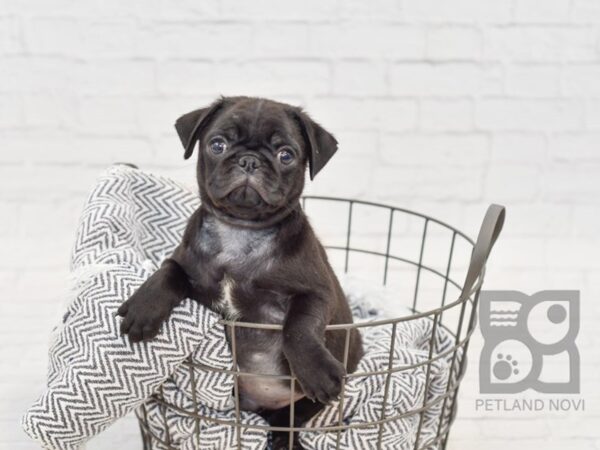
[[253, 155], [252, 160]]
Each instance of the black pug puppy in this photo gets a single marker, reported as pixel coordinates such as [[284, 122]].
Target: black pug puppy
[[249, 253]]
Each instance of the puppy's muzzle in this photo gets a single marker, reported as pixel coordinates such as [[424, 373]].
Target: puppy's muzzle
[[249, 163]]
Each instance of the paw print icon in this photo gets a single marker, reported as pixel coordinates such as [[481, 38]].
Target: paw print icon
[[505, 367], [529, 342]]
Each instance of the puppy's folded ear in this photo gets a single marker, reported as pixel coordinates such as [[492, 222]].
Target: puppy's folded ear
[[190, 126], [320, 143]]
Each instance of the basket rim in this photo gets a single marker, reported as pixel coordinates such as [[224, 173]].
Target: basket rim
[[394, 208]]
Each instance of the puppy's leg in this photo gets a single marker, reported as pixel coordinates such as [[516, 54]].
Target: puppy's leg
[[304, 409], [154, 300], [319, 373]]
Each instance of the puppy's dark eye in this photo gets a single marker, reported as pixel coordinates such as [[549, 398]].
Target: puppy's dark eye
[[285, 156], [217, 145]]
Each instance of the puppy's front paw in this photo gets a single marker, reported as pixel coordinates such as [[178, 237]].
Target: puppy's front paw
[[143, 314], [320, 376]]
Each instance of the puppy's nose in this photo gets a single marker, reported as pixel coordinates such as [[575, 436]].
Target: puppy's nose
[[248, 163]]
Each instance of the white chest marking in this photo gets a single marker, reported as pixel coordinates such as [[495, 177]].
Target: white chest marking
[[240, 252], [239, 245], [225, 305]]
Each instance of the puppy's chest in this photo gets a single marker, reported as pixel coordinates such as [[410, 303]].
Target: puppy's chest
[[234, 248], [240, 255]]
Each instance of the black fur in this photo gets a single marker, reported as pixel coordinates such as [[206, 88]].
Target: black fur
[[250, 253]]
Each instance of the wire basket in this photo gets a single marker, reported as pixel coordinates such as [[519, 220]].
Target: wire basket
[[418, 258]]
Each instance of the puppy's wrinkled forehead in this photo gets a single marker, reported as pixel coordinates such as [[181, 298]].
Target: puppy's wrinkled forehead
[[258, 120]]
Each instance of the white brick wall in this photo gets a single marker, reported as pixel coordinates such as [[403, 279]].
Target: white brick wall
[[442, 106]]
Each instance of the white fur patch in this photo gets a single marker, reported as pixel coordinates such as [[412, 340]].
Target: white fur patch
[[226, 305], [240, 244]]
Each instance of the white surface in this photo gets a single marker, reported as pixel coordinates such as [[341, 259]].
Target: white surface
[[439, 106]]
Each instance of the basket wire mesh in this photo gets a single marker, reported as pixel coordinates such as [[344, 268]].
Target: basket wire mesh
[[463, 308]]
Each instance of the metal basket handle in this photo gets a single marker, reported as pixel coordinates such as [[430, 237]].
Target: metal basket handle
[[488, 233]]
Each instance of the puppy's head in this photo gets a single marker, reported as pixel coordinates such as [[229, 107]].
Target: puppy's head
[[252, 155]]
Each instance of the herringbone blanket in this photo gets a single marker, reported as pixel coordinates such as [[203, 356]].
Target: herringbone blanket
[[130, 222]]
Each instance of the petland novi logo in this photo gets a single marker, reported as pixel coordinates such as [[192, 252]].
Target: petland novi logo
[[529, 343]]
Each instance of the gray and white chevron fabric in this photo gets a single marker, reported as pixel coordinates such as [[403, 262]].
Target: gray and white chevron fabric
[[130, 222]]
